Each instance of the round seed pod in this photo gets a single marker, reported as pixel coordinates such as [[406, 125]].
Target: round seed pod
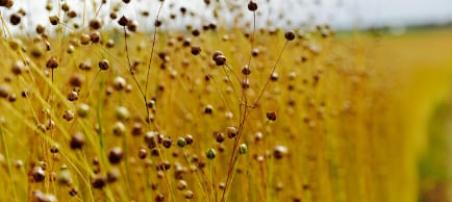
[[195, 50], [15, 19], [94, 37], [279, 151], [113, 175], [243, 148], [189, 139], [181, 142], [77, 141], [123, 21], [252, 6], [104, 64], [54, 20], [232, 131], [83, 110], [167, 142], [142, 153], [99, 181], [95, 24], [115, 155], [52, 63], [289, 35], [219, 137], [210, 154], [122, 113], [271, 116], [119, 129], [38, 174], [188, 194]]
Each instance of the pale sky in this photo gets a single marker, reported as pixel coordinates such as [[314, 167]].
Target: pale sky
[[338, 13]]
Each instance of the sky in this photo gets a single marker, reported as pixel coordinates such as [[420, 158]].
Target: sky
[[338, 13]]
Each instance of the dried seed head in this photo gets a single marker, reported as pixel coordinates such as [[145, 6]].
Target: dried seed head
[[104, 64], [113, 175], [167, 142], [99, 181], [289, 35], [252, 6], [188, 139], [195, 50], [38, 174], [246, 70], [119, 129], [95, 24], [271, 116], [142, 153], [52, 63], [188, 194], [219, 137], [279, 151], [77, 141], [54, 20], [231, 131], [94, 37], [17, 68], [123, 21], [115, 155], [208, 109], [15, 19], [72, 96], [119, 83], [6, 3]]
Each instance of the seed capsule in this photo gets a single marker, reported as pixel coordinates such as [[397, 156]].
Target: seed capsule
[[15, 19], [289, 35], [271, 116], [252, 6], [83, 110], [181, 142], [243, 149], [77, 141], [104, 64], [38, 174], [279, 152], [231, 131], [52, 63], [210, 154], [115, 155], [123, 21], [99, 181]]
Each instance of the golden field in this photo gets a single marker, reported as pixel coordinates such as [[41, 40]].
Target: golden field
[[343, 117]]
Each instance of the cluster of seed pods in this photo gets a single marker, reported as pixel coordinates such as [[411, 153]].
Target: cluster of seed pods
[[117, 113]]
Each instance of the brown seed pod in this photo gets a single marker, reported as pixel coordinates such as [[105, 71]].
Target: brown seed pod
[[99, 181], [95, 24], [232, 131], [6, 3], [104, 64], [289, 35], [115, 155], [54, 20], [38, 174], [77, 141], [195, 50], [252, 6], [15, 19], [52, 63], [271, 116], [123, 21], [279, 151]]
